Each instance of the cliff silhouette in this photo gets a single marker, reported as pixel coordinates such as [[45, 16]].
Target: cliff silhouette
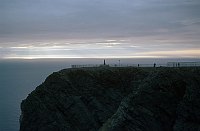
[[115, 99]]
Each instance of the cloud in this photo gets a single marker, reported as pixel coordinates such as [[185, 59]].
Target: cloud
[[188, 22], [110, 43], [191, 53], [97, 28], [100, 51]]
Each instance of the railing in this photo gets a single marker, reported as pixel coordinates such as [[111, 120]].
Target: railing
[[169, 64], [88, 65], [117, 65], [183, 64]]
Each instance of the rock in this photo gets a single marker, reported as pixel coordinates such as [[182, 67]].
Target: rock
[[188, 110], [77, 99], [115, 99]]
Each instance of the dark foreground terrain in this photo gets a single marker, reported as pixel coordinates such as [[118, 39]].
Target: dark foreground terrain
[[115, 99]]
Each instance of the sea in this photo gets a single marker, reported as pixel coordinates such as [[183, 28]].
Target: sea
[[19, 77]]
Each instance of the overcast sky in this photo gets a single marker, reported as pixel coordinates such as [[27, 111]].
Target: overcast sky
[[99, 28]]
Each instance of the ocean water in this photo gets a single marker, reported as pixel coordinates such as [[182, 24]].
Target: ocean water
[[19, 77]]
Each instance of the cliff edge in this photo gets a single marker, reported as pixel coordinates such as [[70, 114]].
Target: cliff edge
[[115, 99]]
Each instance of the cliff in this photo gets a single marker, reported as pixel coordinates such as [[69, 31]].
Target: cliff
[[115, 99]]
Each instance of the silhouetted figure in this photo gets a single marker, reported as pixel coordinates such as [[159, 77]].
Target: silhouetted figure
[[154, 65], [138, 65], [104, 62], [178, 64]]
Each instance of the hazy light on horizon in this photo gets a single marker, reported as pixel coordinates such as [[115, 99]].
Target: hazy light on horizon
[[110, 49]]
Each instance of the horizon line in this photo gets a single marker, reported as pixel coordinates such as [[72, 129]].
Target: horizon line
[[133, 57]]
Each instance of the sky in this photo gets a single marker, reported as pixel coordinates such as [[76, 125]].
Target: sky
[[31, 29]]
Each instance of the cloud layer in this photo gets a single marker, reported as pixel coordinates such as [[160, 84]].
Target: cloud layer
[[99, 28]]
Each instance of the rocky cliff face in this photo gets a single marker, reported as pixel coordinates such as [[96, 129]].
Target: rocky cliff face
[[115, 99]]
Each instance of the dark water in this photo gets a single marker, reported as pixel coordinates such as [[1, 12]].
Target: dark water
[[19, 77]]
